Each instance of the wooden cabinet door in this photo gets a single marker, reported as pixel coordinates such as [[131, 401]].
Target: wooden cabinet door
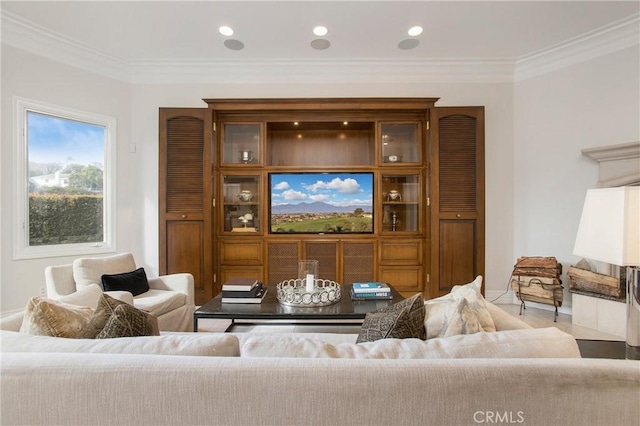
[[185, 243], [457, 202]]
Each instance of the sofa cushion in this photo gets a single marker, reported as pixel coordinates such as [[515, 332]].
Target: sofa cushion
[[88, 271], [159, 302], [404, 319], [523, 343], [48, 317], [135, 282], [128, 321], [462, 311], [194, 344]]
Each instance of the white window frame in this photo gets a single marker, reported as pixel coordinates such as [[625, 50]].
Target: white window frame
[[21, 248]]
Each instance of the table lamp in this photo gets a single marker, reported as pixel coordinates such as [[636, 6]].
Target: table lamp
[[609, 231]]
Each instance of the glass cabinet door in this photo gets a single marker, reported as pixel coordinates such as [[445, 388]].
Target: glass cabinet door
[[400, 203], [241, 203], [241, 143], [400, 143]]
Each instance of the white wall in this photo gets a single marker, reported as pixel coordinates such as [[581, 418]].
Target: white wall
[[535, 174], [594, 103], [33, 77]]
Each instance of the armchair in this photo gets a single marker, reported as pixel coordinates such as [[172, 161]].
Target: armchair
[[170, 297]]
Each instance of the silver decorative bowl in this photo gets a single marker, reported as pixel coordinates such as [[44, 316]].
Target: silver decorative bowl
[[294, 293]]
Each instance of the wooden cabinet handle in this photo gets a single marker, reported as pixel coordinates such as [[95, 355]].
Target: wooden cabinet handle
[[184, 216], [458, 215]]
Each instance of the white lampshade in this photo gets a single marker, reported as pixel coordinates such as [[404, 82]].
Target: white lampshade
[[609, 228]]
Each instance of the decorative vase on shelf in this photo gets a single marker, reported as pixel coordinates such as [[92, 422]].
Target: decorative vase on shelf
[[245, 195], [394, 195]]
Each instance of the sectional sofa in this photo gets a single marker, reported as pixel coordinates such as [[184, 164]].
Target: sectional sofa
[[515, 375]]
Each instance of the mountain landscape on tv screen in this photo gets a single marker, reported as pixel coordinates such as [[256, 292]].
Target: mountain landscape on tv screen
[[316, 207]]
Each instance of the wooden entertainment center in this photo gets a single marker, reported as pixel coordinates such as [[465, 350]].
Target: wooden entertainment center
[[420, 227]]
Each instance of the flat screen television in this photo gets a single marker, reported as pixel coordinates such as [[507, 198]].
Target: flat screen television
[[321, 203]]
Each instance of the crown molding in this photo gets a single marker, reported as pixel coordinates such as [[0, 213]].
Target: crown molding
[[602, 41], [38, 40], [378, 71], [27, 36]]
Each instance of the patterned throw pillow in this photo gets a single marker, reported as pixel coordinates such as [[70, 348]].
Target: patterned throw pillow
[[401, 320], [128, 321], [104, 310], [46, 317], [471, 292], [460, 318], [462, 311]]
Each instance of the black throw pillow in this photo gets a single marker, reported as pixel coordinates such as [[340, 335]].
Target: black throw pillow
[[134, 282]]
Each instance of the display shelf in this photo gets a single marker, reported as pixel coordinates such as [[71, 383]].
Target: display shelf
[[320, 144], [241, 143], [400, 143], [241, 203]]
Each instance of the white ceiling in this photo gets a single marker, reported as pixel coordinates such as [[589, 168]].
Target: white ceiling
[[186, 32]]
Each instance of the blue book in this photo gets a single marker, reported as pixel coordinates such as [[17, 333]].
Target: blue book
[[373, 286]]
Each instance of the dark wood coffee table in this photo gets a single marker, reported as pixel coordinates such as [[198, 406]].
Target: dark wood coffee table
[[345, 311], [602, 348]]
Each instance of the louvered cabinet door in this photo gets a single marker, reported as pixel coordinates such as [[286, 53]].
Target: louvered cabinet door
[[457, 203], [185, 243]]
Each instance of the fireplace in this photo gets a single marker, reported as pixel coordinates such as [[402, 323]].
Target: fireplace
[[599, 296]]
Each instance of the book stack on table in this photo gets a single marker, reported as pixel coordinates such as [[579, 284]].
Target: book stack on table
[[371, 291], [243, 290]]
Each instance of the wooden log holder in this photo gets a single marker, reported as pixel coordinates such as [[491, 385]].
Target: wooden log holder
[[537, 279]]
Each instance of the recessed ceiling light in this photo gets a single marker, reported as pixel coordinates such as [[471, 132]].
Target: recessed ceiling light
[[320, 31], [415, 31], [226, 30]]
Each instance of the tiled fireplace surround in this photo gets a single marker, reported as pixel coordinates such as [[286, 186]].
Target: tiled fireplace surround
[[618, 165]]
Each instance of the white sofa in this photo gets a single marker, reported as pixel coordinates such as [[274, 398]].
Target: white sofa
[[170, 297], [515, 375]]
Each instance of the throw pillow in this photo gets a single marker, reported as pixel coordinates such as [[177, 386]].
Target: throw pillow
[[472, 293], [401, 320], [134, 282], [46, 317], [104, 310], [440, 313], [127, 321], [460, 318], [88, 270]]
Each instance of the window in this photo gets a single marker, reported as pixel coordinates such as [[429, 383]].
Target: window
[[65, 181]]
